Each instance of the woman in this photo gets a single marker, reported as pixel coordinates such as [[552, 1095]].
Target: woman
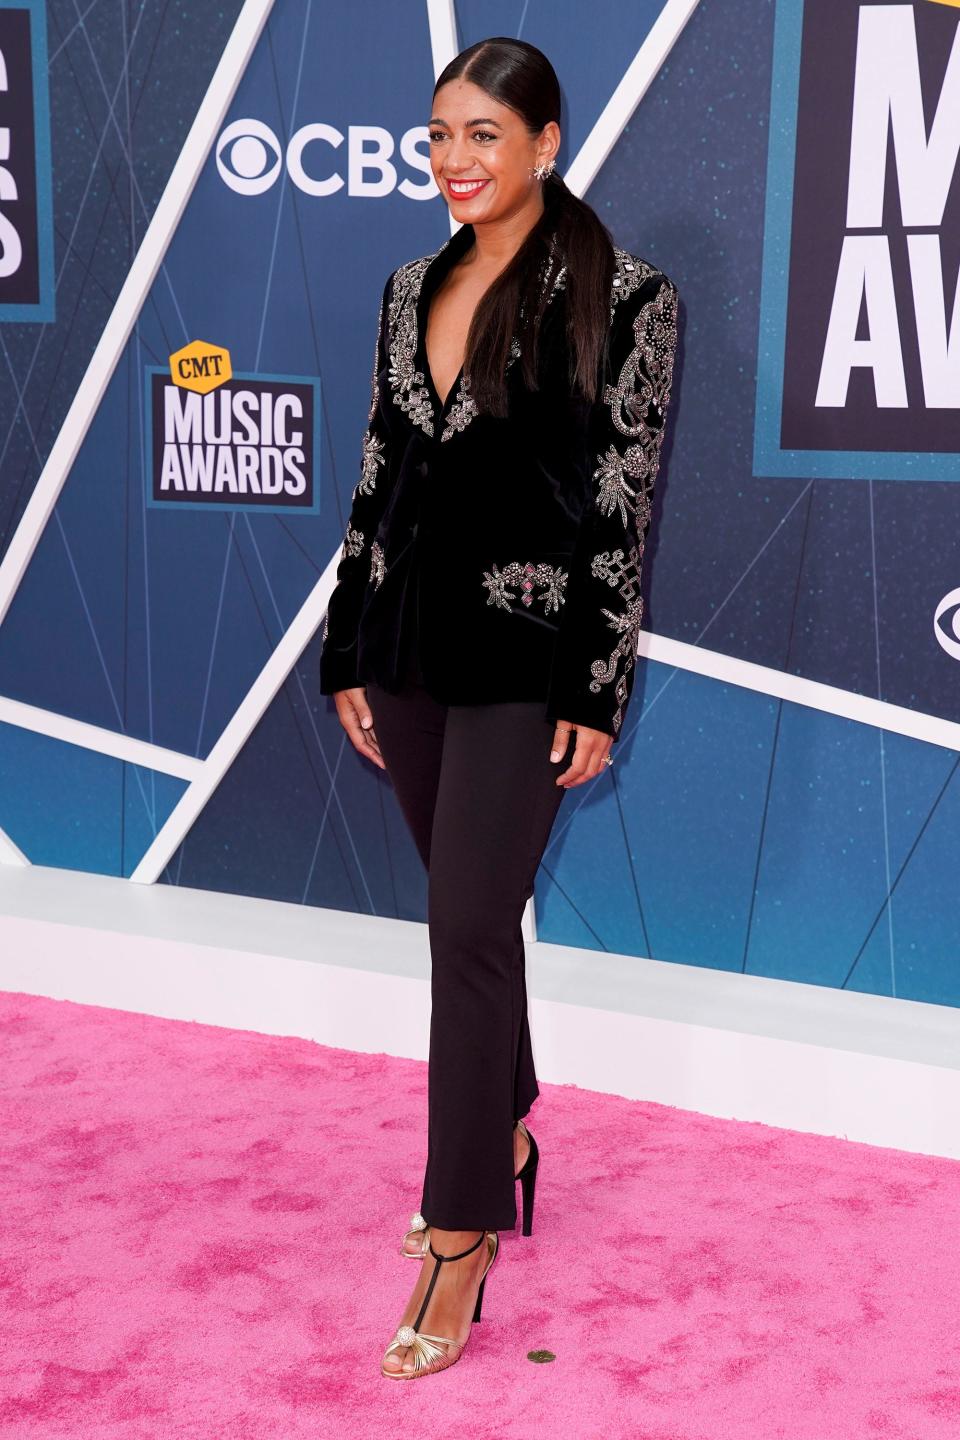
[[487, 608]]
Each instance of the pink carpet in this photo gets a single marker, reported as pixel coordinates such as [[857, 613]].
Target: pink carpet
[[199, 1232]]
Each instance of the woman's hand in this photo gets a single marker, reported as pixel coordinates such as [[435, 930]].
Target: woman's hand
[[355, 717], [587, 761]]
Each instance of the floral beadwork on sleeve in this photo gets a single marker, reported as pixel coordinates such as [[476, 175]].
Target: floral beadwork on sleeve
[[614, 490], [638, 401], [593, 671]]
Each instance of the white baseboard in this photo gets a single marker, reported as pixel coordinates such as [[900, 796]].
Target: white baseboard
[[863, 1067]]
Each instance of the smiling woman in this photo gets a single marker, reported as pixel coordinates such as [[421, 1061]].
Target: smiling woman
[[488, 605]]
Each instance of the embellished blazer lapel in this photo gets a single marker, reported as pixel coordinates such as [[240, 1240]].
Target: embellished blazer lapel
[[437, 267], [409, 370]]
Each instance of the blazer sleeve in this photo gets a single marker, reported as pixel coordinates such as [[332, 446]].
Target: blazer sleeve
[[358, 552], [593, 668]]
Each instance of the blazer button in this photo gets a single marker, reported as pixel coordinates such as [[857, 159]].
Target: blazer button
[[423, 467]]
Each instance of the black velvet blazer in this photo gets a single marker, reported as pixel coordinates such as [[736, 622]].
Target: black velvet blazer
[[514, 543]]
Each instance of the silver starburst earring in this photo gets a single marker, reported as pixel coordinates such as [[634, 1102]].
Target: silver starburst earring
[[542, 171]]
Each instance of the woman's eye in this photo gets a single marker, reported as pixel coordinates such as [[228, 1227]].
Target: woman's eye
[[483, 135]]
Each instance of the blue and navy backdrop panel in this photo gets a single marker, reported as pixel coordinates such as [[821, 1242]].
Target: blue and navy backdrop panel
[[805, 517]]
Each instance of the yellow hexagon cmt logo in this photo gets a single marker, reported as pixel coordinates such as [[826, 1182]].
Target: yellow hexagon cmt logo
[[200, 366]]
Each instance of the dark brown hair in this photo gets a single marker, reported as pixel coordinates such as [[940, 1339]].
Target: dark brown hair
[[520, 76]]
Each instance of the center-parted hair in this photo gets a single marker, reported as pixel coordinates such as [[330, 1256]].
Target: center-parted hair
[[520, 76]]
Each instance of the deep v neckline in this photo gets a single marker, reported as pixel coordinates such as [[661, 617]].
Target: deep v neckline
[[443, 261], [428, 373]]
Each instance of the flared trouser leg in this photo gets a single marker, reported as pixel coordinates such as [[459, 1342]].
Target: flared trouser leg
[[479, 793]]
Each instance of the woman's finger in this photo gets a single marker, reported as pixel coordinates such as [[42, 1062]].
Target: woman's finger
[[561, 739], [587, 759], [357, 720]]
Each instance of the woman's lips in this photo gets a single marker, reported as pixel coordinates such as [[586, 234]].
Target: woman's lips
[[465, 190]]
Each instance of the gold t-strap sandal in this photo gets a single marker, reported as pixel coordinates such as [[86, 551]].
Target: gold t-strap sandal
[[527, 1175], [428, 1354]]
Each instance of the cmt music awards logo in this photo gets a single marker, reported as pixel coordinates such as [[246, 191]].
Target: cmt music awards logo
[[220, 440], [26, 213], [860, 329]]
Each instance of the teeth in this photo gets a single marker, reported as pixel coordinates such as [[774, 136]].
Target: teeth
[[460, 187]]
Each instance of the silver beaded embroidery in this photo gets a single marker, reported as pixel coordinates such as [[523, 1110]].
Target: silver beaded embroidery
[[408, 384], [553, 272], [464, 407], [374, 385], [352, 542], [377, 566], [655, 333], [622, 572], [372, 459], [526, 575], [603, 671], [643, 385], [461, 412], [629, 274], [613, 492]]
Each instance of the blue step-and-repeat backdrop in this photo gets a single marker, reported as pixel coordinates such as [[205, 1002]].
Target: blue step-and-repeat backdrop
[[200, 204]]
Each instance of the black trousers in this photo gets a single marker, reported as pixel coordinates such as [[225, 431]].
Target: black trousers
[[479, 793]]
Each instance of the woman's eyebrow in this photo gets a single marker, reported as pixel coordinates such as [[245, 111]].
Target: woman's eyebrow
[[481, 120]]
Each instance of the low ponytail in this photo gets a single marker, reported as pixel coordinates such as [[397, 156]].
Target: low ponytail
[[587, 249]]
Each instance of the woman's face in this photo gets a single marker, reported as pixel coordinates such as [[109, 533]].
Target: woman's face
[[482, 154]]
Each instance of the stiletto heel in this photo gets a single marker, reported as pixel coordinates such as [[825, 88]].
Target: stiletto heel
[[528, 1182], [428, 1356], [527, 1175], [479, 1304]]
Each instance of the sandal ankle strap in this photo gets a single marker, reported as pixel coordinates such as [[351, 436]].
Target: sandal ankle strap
[[468, 1251]]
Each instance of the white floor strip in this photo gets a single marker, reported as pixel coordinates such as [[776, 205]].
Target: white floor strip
[[737, 1075], [10, 853], [862, 1067]]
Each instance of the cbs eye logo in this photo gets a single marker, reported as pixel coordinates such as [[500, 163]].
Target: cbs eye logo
[[250, 158], [948, 634]]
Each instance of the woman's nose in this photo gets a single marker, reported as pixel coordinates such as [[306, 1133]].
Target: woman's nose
[[458, 157]]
